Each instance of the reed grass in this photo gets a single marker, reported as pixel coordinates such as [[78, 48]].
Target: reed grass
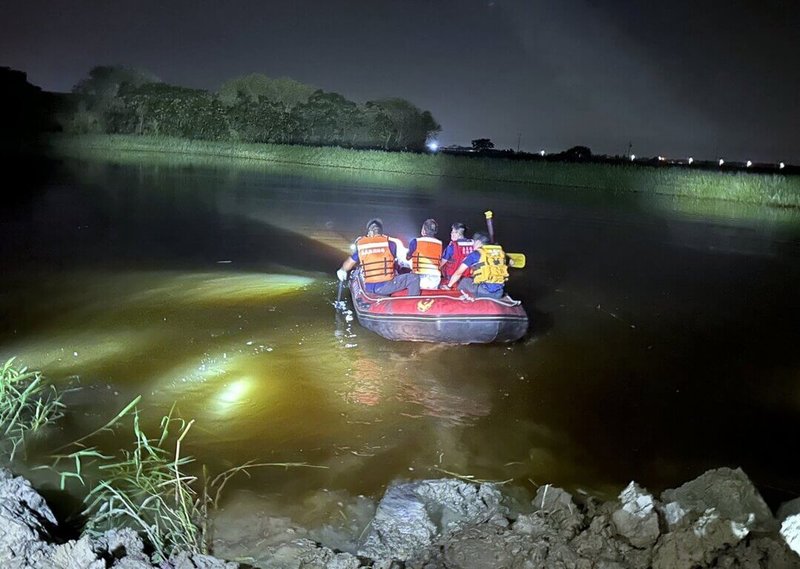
[[742, 187], [27, 404], [151, 487]]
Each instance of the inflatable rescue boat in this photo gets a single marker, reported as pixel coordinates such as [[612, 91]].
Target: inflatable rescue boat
[[445, 316]]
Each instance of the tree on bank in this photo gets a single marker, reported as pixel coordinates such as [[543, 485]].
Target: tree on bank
[[257, 86], [326, 118], [482, 144], [406, 127], [252, 108], [261, 121], [99, 90], [165, 110]]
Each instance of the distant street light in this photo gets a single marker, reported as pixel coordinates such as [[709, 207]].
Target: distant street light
[[660, 158], [721, 161], [691, 159], [749, 163], [782, 166], [542, 153], [633, 157], [433, 146]]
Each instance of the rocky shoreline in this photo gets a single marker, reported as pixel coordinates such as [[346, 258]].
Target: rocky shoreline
[[717, 520]]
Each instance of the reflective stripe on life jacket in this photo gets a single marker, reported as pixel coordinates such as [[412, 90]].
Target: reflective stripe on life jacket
[[427, 256], [491, 267], [376, 258], [461, 249]]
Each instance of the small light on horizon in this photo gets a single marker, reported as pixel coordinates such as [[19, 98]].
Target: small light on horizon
[[749, 163], [660, 158], [691, 159], [721, 161], [781, 165], [542, 153], [633, 157], [433, 146]]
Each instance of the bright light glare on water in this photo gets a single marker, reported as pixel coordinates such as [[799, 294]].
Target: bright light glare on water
[[232, 394]]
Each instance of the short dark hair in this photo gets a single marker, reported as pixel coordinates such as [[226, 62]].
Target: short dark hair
[[377, 223], [480, 236], [458, 226], [430, 227]]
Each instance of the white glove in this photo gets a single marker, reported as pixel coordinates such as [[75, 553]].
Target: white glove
[[342, 274]]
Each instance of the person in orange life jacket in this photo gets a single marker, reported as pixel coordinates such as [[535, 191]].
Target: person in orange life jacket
[[377, 254], [488, 266], [456, 251], [425, 254]]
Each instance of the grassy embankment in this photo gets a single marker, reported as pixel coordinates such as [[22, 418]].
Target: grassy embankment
[[741, 187]]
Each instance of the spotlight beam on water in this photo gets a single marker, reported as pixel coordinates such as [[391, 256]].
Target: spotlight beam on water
[[142, 313], [221, 287]]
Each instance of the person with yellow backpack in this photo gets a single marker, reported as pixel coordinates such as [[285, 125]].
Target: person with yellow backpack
[[489, 269]]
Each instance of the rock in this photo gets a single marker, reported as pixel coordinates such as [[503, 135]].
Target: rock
[[790, 532], [77, 555], [128, 563], [730, 493], [194, 561], [25, 523], [697, 544], [556, 515], [121, 544], [460, 503], [306, 554], [552, 499], [482, 546], [536, 525], [15, 488], [401, 526], [637, 519], [600, 544], [761, 553], [673, 514], [412, 515]]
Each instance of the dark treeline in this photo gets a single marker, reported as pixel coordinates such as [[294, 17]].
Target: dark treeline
[[254, 108], [25, 111]]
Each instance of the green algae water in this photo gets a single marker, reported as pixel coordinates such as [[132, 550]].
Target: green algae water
[[662, 343]]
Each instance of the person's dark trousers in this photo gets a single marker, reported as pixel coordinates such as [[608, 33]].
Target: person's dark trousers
[[478, 290], [408, 281]]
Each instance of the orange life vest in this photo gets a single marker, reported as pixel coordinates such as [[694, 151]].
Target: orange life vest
[[376, 258], [427, 256]]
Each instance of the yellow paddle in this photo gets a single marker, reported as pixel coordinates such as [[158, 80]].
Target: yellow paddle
[[515, 260]]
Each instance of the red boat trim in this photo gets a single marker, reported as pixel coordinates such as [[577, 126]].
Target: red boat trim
[[505, 301]]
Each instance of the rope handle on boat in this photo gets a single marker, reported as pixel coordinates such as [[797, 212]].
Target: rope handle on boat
[[507, 301]]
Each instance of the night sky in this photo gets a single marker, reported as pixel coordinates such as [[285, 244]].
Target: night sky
[[702, 78]]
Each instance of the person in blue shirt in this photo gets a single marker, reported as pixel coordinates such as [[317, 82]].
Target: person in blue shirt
[[377, 255], [489, 269], [425, 254]]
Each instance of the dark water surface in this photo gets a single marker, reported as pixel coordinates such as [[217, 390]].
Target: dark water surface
[[664, 335]]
